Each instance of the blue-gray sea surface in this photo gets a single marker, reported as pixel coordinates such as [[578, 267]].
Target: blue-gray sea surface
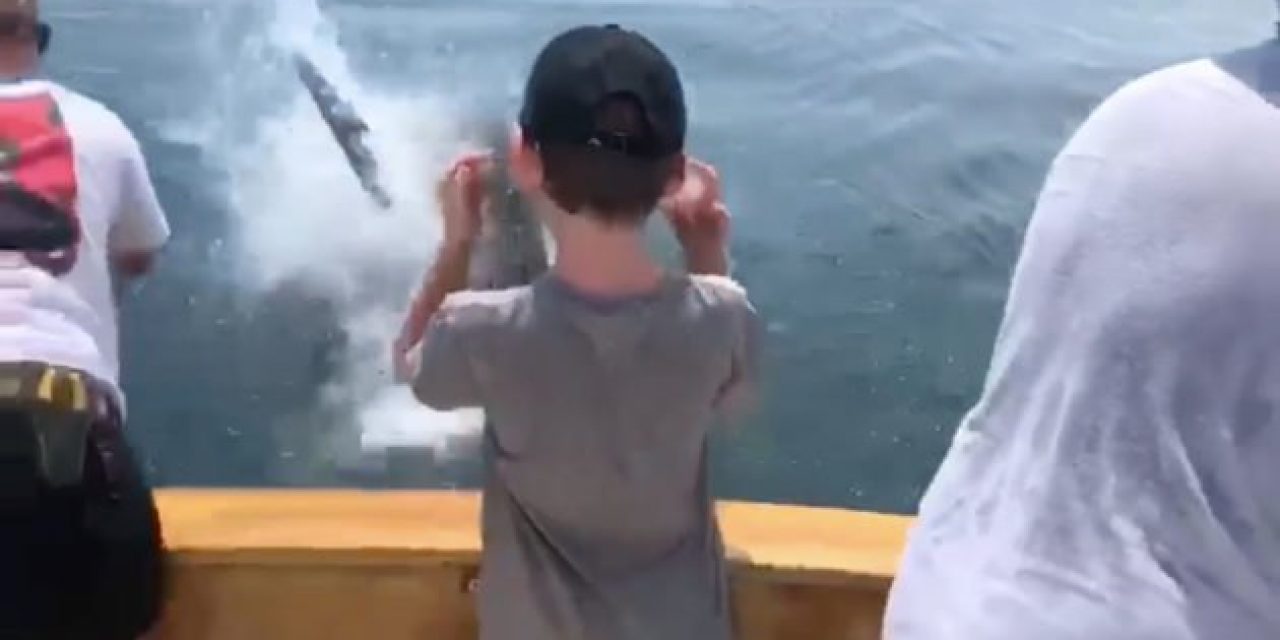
[[881, 158]]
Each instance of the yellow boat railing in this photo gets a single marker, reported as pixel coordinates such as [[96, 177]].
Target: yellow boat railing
[[390, 565]]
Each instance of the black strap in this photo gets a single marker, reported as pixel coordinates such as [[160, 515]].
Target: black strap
[[51, 411], [47, 387]]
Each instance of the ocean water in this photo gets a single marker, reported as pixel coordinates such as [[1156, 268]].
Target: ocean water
[[881, 159]]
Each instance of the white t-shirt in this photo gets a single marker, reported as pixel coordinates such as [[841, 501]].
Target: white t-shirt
[[71, 320], [1119, 478]]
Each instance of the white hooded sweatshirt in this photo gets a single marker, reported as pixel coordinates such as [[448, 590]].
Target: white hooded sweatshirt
[[1119, 478]]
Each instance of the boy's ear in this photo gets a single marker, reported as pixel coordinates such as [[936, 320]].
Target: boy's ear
[[524, 163], [676, 179]]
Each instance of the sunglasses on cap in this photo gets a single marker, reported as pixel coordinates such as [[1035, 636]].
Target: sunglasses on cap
[[19, 27]]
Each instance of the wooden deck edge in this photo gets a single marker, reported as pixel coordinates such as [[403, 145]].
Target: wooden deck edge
[[765, 542]]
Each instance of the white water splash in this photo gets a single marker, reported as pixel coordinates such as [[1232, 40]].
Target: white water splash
[[300, 218]]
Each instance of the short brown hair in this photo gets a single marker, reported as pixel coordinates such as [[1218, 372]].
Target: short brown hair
[[609, 186], [608, 183]]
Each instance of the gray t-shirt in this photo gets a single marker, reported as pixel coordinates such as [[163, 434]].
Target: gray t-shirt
[[598, 522]]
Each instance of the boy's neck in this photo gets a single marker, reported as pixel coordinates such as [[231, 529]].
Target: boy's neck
[[605, 260]]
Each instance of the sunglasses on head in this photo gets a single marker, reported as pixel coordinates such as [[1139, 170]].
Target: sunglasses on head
[[15, 27]]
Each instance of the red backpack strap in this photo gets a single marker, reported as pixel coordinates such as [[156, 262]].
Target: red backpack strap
[[38, 189]]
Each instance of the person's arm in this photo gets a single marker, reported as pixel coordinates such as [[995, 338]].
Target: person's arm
[[740, 394], [139, 228], [443, 376], [709, 254], [447, 275], [460, 194], [700, 220]]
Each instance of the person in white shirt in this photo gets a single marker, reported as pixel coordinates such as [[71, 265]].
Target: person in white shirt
[[81, 554], [1118, 477]]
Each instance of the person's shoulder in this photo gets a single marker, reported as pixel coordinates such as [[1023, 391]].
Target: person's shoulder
[[479, 308], [719, 290], [85, 113], [721, 299], [1177, 71], [1159, 84], [75, 99], [1141, 113]]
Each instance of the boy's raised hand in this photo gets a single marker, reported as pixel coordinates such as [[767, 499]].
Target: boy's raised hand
[[461, 193], [700, 218]]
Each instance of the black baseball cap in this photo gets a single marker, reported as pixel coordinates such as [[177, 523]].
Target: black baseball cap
[[583, 71]]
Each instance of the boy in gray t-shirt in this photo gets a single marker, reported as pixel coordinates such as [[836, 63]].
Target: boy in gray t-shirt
[[602, 379]]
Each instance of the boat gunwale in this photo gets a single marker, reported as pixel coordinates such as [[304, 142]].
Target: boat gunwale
[[400, 530]]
